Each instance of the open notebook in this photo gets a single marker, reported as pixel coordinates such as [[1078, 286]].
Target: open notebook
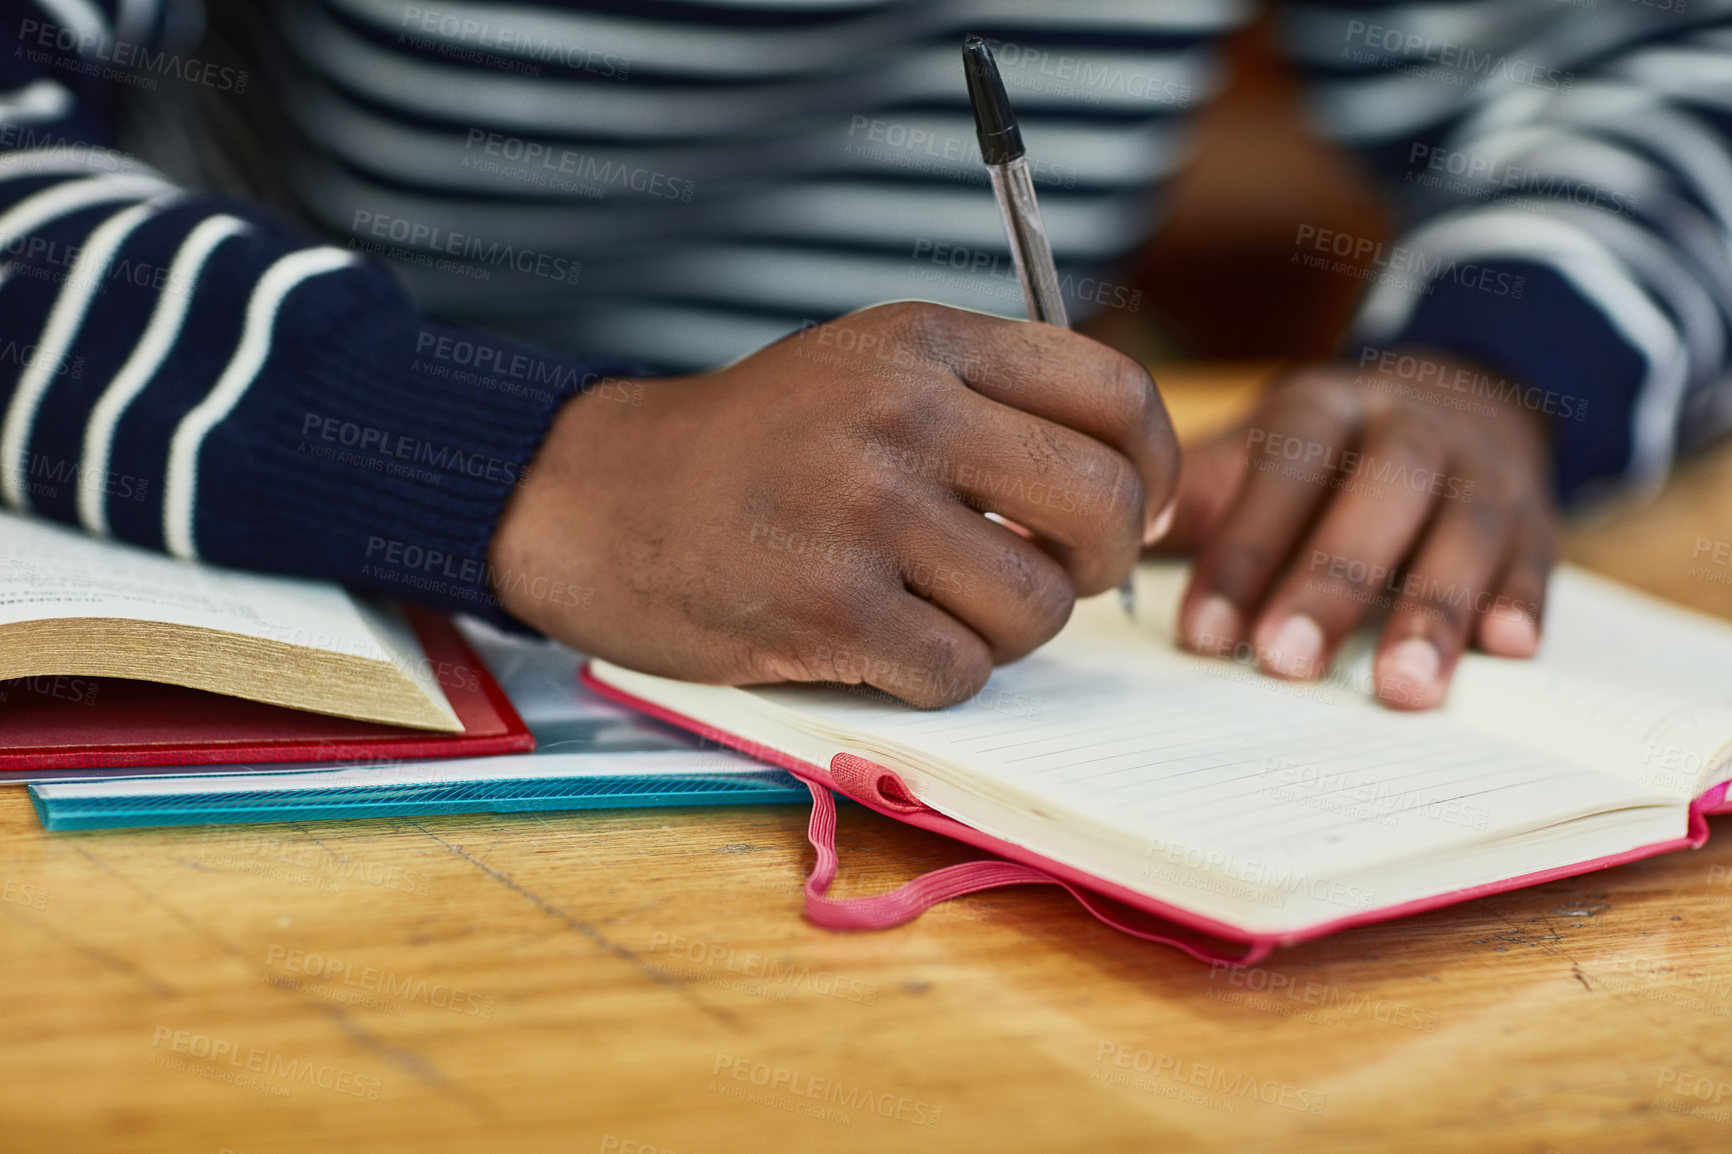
[[1262, 812]]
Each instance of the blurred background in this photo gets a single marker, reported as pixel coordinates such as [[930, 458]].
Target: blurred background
[[1218, 278]]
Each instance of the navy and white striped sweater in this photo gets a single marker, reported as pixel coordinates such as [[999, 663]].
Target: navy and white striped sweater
[[222, 343]]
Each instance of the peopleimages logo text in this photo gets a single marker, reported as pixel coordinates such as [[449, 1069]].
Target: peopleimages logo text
[[422, 237]]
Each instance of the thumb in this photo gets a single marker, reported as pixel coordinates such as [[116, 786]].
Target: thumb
[[1209, 480]]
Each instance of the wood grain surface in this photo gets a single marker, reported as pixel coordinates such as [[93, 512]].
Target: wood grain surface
[[643, 982]]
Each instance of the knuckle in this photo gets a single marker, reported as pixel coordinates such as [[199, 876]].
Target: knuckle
[[1125, 494], [915, 410], [1094, 575], [1306, 384], [1019, 573], [1317, 390], [1451, 615], [896, 312], [956, 668], [879, 483], [1045, 596], [1486, 522], [921, 322], [1136, 400], [1053, 609], [872, 569], [1399, 435], [1100, 567], [1525, 586]]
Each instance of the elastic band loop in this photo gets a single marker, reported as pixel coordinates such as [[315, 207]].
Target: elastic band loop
[[911, 899], [865, 781], [906, 902]]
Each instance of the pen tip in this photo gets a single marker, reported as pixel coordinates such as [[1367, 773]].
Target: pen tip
[[994, 120]]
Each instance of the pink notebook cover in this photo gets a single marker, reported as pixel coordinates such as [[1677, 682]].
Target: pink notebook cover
[[880, 789]]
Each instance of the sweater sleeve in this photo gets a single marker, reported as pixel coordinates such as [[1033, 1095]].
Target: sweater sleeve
[[1564, 175], [188, 374]]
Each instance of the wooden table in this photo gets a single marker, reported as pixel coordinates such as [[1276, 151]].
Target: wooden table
[[641, 982]]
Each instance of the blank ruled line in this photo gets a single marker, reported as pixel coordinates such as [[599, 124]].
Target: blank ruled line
[[1236, 763]]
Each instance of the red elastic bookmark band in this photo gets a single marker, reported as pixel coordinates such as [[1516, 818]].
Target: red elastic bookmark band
[[906, 902], [878, 787]]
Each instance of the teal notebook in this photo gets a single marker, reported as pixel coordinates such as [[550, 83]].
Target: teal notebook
[[464, 786]]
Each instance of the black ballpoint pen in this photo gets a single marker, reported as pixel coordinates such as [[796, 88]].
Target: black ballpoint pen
[[1006, 162]]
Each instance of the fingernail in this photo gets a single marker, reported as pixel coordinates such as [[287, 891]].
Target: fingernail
[[1409, 673], [1509, 633], [1213, 626], [1162, 522], [1296, 649]]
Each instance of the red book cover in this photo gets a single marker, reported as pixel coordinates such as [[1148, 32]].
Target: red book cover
[[74, 723]]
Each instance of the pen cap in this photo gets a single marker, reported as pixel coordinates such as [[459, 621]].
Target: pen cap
[[994, 122]]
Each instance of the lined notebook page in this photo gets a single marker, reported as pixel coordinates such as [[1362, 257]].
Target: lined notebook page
[[1236, 799], [1208, 784], [1623, 681], [1203, 758]]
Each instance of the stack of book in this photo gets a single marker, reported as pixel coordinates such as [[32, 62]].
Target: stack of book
[[136, 689]]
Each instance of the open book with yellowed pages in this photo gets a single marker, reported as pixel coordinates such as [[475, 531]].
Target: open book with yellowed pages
[[1200, 802], [115, 656]]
